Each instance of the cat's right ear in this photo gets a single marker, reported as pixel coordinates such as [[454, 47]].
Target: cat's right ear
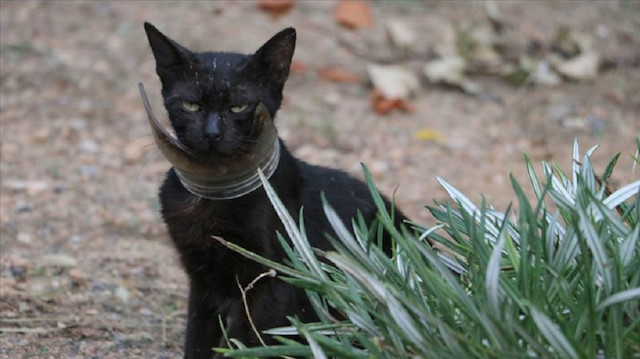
[[168, 53]]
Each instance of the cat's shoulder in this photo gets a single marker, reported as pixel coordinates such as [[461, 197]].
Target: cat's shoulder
[[341, 189]]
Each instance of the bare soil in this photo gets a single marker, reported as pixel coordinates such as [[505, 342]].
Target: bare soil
[[86, 268]]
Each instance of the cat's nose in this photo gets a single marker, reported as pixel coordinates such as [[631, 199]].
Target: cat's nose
[[213, 127]]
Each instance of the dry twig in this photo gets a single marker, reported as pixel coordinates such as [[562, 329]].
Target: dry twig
[[271, 273]]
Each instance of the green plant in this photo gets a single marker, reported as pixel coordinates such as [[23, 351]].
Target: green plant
[[558, 279]]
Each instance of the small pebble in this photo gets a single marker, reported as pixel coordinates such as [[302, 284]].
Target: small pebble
[[76, 238], [89, 146], [57, 260], [24, 237], [598, 125], [90, 171], [41, 135], [123, 294], [379, 167], [19, 266], [77, 275], [332, 98], [23, 307], [79, 124], [98, 286], [577, 123], [23, 209], [558, 112]]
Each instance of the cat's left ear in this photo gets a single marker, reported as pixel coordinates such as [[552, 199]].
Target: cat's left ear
[[273, 59]]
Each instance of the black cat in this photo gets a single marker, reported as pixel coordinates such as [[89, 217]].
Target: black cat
[[220, 106]]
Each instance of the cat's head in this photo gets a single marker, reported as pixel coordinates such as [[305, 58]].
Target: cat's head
[[211, 97]]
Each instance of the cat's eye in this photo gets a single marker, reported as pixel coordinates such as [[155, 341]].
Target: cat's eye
[[238, 109], [190, 106]]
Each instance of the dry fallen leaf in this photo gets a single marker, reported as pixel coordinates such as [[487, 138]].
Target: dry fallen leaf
[[582, 67], [577, 59], [446, 69], [275, 7], [394, 82], [450, 70], [382, 105], [298, 67], [400, 34], [334, 74], [569, 43], [354, 14], [480, 50], [427, 134]]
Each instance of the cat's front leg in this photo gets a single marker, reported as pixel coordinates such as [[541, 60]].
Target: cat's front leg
[[268, 305], [203, 328]]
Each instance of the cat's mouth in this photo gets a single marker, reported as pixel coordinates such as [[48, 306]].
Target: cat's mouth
[[220, 177]]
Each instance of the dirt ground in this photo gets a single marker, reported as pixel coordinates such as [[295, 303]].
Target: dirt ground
[[86, 269]]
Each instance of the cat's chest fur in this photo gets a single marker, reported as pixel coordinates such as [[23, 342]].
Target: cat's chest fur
[[194, 222]]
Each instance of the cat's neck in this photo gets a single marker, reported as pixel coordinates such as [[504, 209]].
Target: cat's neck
[[232, 185]]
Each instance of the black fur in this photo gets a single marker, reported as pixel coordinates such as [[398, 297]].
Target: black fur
[[216, 81]]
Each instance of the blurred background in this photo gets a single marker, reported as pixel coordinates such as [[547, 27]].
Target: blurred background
[[415, 90]]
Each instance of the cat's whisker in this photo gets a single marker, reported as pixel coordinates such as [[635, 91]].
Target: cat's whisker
[[141, 150], [145, 162]]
